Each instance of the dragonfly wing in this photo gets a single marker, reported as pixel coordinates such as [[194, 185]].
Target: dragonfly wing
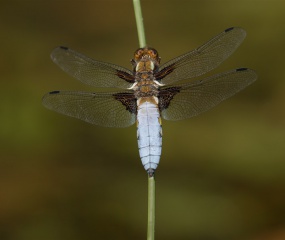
[[92, 72], [188, 100], [103, 109], [202, 59]]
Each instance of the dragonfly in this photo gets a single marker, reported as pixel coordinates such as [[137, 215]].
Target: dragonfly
[[150, 91]]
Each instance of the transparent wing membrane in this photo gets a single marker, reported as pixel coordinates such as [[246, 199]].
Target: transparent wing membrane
[[101, 109], [92, 72], [202, 59], [191, 99]]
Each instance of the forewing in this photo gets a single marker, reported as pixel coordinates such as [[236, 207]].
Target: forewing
[[202, 59], [188, 100], [92, 72], [102, 109]]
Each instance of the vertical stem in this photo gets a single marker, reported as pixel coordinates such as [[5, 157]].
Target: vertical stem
[[151, 181], [139, 21], [151, 208]]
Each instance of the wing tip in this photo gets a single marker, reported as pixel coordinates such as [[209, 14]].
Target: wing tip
[[242, 69], [229, 29], [241, 30], [54, 52], [53, 92], [63, 47], [252, 72], [46, 96]]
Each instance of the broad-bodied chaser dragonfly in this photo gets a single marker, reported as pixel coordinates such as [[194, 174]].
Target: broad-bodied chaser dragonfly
[[149, 93]]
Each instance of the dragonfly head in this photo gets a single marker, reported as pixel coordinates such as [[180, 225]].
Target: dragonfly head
[[146, 59]]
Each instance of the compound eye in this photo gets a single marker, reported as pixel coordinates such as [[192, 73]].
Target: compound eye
[[153, 53], [138, 53]]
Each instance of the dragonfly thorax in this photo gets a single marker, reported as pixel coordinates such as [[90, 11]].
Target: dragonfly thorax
[[146, 60], [145, 84]]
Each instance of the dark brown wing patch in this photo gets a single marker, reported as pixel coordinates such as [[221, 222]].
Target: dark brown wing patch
[[166, 95], [124, 75], [164, 72], [128, 100]]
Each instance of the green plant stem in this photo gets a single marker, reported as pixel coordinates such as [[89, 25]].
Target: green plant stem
[[151, 181], [139, 21], [151, 208]]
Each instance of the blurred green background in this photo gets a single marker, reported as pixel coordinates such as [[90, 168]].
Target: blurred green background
[[221, 175]]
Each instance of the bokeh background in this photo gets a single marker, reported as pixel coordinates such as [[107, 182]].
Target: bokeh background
[[222, 174]]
